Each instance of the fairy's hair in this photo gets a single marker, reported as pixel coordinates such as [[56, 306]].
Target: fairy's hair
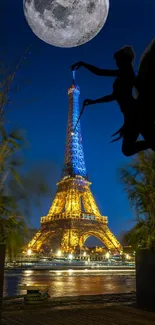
[[126, 51]]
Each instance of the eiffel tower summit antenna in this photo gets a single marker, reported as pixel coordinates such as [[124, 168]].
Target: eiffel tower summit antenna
[[74, 215], [74, 72]]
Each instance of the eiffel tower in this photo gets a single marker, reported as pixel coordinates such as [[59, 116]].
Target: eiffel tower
[[73, 215]]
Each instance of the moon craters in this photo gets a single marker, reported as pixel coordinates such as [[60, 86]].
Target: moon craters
[[66, 23], [61, 14], [38, 5], [91, 7]]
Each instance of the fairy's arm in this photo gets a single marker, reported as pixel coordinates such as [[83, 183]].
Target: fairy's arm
[[105, 99], [101, 72], [87, 102], [95, 70]]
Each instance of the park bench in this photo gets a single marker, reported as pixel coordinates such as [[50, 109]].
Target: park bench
[[35, 293]]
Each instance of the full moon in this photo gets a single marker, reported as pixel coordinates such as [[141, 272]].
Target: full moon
[[66, 23]]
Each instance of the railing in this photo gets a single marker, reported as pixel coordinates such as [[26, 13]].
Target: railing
[[72, 216]]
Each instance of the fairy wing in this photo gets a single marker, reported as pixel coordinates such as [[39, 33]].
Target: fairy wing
[[145, 80]]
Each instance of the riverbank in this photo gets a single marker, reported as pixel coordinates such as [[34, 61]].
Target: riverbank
[[17, 302], [103, 309], [72, 267]]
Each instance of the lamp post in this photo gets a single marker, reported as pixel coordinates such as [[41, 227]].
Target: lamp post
[[2, 263], [80, 253]]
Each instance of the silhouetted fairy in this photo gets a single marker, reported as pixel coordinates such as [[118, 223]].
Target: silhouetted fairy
[[136, 117]]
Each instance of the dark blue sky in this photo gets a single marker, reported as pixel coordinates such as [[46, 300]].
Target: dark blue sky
[[129, 22]]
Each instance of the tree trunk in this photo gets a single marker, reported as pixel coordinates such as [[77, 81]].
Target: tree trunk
[[2, 262], [145, 279]]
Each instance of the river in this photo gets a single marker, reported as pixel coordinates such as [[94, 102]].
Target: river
[[69, 282]]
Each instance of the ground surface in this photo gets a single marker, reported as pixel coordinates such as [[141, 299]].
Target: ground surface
[[95, 314]]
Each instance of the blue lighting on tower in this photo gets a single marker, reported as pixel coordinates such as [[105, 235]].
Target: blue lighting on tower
[[74, 163]]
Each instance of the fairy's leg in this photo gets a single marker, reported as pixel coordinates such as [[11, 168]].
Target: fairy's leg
[[148, 133], [130, 145]]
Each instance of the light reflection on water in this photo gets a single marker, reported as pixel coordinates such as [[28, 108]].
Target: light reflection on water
[[70, 282]]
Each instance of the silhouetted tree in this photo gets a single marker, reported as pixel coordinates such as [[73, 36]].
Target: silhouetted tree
[[18, 188], [138, 178]]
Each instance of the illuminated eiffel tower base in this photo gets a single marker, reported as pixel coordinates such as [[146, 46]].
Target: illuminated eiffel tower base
[[74, 215]]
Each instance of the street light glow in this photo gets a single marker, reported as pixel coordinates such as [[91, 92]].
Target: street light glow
[[107, 255], [29, 252], [70, 256], [59, 253]]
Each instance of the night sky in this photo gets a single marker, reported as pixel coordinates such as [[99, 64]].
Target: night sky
[[44, 117]]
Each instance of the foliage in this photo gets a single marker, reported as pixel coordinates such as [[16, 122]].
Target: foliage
[[140, 236], [138, 178], [17, 186], [13, 233]]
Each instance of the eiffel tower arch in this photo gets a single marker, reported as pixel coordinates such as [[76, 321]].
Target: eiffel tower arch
[[74, 215]]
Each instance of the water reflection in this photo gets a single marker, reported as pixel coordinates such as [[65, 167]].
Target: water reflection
[[69, 282]]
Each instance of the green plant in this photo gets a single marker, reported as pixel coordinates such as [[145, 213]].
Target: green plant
[[138, 178]]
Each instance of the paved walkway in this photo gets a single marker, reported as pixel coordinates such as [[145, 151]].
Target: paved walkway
[[82, 315]]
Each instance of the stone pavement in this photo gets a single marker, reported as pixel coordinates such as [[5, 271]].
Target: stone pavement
[[98, 314]]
